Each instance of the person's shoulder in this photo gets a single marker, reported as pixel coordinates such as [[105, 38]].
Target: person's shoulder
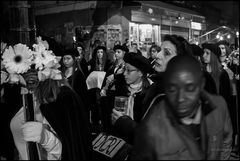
[[65, 90], [224, 73], [218, 102], [155, 109]]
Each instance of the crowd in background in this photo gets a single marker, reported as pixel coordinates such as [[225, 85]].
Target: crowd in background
[[85, 112]]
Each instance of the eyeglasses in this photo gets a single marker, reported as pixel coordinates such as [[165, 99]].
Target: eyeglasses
[[128, 71]]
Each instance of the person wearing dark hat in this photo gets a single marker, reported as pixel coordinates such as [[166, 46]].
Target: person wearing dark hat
[[225, 52], [210, 85], [126, 45], [136, 69], [100, 60], [75, 76], [225, 59], [153, 50], [134, 48], [114, 85], [81, 61], [211, 59], [114, 76]]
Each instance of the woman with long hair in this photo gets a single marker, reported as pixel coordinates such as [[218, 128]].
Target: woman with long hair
[[211, 58], [74, 75], [100, 60], [81, 61]]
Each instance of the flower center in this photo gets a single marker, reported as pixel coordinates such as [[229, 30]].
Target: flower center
[[18, 59]]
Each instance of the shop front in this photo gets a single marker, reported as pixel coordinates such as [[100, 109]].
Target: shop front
[[150, 24], [144, 30]]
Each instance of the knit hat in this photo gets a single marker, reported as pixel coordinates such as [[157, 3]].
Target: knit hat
[[196, 50], [222, 42], [138, 61], [119, 47], [80, 45], [213, 48], [100, 47]]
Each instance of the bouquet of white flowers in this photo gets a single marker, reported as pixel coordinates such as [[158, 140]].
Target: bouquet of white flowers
[[17, 60]]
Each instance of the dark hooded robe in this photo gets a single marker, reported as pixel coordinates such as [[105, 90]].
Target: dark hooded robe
[[70, 124]]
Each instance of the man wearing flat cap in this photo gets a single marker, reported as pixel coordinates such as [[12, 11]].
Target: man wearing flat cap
[[136, 69]]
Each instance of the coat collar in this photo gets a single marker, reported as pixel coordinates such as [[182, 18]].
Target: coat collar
[[207, 107], [207, 103]]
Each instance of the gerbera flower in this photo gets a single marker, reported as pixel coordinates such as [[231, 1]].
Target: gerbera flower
[[17, 59], [40, 41], [46, 62], [43, 57]]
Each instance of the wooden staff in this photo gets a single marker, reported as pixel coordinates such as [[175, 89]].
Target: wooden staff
[[28, 104]]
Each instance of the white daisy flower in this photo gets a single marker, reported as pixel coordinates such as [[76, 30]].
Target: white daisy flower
[[17, 59]]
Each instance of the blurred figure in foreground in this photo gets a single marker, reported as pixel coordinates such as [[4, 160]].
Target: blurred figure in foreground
[[189, 123]]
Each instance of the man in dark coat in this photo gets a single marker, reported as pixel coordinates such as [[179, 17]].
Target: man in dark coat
[[189, 123]]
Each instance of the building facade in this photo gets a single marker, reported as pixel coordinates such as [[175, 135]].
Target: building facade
[[142, 22]]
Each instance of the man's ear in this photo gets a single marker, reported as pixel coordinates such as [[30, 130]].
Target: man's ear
[[140, 73]]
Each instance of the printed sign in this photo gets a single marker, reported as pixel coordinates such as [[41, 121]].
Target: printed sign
[[107, 144]]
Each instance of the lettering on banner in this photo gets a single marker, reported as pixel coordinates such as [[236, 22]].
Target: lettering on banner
[[107, 144]]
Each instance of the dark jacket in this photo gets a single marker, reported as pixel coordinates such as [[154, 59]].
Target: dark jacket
[[125, 126], [83, 65], [119, 82], [225, 87], [210, 85], [161, 136], [78, 83]]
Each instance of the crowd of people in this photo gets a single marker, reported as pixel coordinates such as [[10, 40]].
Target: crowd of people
[[182, 102]]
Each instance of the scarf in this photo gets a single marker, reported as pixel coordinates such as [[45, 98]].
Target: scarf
[[133, 88]]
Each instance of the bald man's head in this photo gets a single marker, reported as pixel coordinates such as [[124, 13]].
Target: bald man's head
[[183, 62], [183, 84]]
